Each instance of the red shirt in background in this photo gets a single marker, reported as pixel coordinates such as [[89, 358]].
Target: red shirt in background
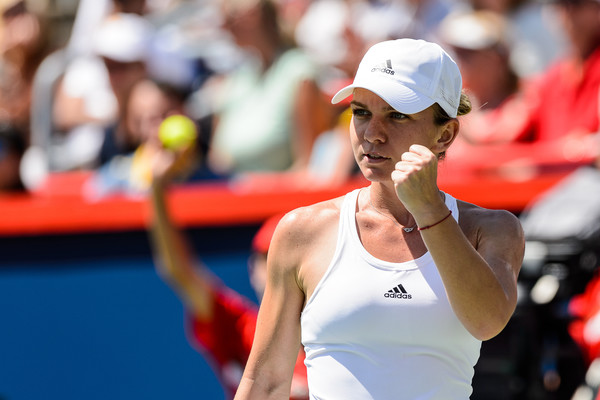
[[564, 100], [226, 341]]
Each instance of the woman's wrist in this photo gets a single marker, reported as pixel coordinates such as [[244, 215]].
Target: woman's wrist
[[419, 228]]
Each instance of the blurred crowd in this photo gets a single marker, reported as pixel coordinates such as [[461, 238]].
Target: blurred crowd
[[257, 77]]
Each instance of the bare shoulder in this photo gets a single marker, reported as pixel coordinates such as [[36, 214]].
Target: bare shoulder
[[497, 236], [480, 223], [305, 225], [304, 243]]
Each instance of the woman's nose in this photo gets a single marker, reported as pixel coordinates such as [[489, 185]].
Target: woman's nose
[[374, 131]]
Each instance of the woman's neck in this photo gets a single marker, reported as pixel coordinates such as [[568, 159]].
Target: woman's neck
[[383, 199]]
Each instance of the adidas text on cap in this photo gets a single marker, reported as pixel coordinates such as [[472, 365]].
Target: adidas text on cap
[[410, 75]]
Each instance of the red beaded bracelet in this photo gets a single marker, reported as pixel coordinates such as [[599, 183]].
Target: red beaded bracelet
[[439, 222]]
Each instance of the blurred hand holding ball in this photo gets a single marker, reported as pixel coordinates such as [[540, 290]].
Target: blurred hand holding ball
[[177, 132]]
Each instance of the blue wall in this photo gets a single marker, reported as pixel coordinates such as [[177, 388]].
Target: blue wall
[[101, 327]]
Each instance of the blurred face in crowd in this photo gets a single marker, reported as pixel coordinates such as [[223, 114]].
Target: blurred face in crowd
[[485, 72], [242, 19], [148, 105], [581, 21], [20, 33], [123, 75], [253, 23]]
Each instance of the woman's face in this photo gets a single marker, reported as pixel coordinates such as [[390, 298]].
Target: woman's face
[[380, 135]]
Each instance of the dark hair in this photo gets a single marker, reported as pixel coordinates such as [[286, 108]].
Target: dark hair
[[12, 141], [12, 138], [440, 117], [271, 20]]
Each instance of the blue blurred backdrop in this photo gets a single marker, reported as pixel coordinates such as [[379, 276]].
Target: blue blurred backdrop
[[87, 317]]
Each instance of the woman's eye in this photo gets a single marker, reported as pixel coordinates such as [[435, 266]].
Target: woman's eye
[[398, 115], [359, 112]]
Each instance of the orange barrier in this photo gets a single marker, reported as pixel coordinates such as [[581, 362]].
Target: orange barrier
[[60, 207]]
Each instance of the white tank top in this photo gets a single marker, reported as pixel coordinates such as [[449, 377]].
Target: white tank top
[[380, 330]]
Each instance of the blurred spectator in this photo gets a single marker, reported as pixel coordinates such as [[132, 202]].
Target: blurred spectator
[[563, 104], [291, 13], [148, 104], [220, 321], [480, 42], [23, 45], [93, 92], [481, 45], [123, 43], [91, 13], [539, 41], [12, 147], [560, 108], [269, 110], [566, 104], [328, 32]]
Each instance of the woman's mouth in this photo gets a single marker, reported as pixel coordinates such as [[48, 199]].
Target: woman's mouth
[[374, 157]]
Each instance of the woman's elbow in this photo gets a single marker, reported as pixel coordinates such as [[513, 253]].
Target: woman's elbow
[[491, 326]]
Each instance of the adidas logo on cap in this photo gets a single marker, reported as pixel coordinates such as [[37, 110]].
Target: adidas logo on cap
[[397, 292], [384, 67]]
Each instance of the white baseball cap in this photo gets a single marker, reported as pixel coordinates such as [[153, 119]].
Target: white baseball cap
[[410, 75], [123, 37]]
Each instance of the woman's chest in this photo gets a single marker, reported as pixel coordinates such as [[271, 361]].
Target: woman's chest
[[383, 305]]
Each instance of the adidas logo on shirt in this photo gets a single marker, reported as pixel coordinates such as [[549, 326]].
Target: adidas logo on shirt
[[398, 292], [384, 67]]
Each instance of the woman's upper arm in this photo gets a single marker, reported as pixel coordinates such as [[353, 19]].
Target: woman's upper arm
[[277, 340], [501, 243]]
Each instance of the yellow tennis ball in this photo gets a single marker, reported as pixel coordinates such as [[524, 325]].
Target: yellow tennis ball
[[177, 131]]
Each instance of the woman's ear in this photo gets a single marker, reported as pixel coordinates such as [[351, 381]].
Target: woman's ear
[[446, 135]]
